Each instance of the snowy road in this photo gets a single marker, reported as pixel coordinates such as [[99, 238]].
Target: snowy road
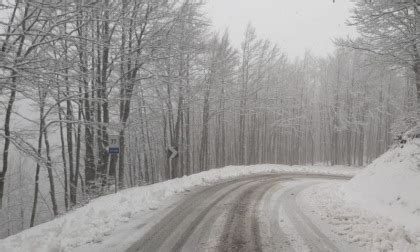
[[257, 213]]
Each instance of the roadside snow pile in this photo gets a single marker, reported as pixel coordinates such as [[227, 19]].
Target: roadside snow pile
[[379, 209], [96, 220], [390, 186], [327, 206]]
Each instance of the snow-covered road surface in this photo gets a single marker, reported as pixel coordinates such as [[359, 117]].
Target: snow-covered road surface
[[239, 215], [116, 222], [240, 208]]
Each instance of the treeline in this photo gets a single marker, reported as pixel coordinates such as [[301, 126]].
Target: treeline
[[181, 99]]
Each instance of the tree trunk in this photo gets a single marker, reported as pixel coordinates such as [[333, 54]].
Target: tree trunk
[[417, 51], [50, 173], [7, 139], [78, 150], [90, 168], [417, 77], [63, 155], [69, 129], [203, 158], [38, 165]]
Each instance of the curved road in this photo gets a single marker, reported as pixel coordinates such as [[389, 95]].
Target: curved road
[[239, 215]]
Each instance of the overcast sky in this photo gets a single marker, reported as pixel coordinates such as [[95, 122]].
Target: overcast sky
[[293, 25]]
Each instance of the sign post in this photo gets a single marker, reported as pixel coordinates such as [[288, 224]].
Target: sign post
[[114, 146], [114, 149]]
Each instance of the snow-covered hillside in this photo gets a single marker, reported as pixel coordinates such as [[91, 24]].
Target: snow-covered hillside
[[390, 186]]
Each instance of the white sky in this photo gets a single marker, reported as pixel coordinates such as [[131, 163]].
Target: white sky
[[295, 25]]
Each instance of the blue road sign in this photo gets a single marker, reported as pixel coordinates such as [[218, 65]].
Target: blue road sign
[[114, 151]]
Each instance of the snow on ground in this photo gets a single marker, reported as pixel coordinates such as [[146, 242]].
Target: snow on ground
[[98, 219], [286, 225], [390, 186], [354, 224], [379, 208]]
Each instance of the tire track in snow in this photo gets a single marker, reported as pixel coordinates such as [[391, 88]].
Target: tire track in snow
[[237, 206], [180, 218], [242, 230], [313, 237]]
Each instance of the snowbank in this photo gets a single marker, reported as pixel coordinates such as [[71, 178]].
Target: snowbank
[[390, 186], [91, 223], [347, 220]]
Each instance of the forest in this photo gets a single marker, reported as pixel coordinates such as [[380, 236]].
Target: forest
[[183, 99]]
